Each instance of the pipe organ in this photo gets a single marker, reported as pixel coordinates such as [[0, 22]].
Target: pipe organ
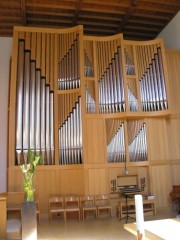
[[60, 78]]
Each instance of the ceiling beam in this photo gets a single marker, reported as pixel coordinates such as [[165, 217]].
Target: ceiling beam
[[23, 12]]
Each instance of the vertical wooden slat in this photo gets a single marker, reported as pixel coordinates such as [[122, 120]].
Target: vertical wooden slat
[[43, 55], [28, 41], [52, 62], [33, 46], [38, 50], [47, 58], [12, 110]]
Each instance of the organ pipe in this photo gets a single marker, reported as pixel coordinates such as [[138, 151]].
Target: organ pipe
[[70, 137], [33, 129], [116, 146]]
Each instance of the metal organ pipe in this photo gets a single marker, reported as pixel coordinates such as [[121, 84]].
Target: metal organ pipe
[[116, 146], [33, 129], [70, 137], [152, 83], [111, 83], [19, 116], [137, 141], [69, 75]]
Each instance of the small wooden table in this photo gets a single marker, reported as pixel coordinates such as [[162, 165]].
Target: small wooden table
[[158, 229]]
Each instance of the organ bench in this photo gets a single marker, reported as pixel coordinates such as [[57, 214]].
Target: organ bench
[[148, 206]]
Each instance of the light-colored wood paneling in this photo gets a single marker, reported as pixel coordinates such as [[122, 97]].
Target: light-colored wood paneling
[[173, 63], [173, 133], [3, 216], [95, 141], [156, 139], [161, 182], [71, 181], [97, 181], [175, 174]]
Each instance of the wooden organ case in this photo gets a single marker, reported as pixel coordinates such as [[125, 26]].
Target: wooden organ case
[[83, 103]]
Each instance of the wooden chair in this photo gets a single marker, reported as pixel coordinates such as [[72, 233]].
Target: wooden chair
[[103, 203], [56, 205], [87, 205], [72, 204], [9, 228], [14, 201]]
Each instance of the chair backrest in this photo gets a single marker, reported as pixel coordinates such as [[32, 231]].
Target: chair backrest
[[71, 201], [56, 201], [102, 199], [87, 200], [15, 198]]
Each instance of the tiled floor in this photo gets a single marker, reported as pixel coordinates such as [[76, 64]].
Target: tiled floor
[[101, 229]]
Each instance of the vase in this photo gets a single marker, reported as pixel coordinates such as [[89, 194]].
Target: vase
[[28, 186]]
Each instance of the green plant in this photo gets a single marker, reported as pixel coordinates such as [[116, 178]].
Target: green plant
[[28, 169]]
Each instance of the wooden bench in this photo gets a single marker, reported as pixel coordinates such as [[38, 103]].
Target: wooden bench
[[148, 205]]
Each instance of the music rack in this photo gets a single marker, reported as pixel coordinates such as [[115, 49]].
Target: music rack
[[129, 191]]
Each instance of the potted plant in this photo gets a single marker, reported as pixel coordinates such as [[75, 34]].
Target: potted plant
[[28, 169]]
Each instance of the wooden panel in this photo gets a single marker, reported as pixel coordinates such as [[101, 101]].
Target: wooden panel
[[173, 63], [71, 181], [95, 140], [173, 129], [161, 184], [45, 185], [175, 174], [3, 217], [15, 180], [97, 181], [156, 139]]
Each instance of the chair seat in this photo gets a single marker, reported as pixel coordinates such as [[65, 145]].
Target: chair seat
[[71, 208], [89, 208], [57, 209]]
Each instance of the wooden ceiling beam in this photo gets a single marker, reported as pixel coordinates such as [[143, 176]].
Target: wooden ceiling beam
[[81, 22], [135, 27], [77, 10], [145, 22], [23, 12], [175, 3], [51, 6], [42, 20], [48, 13]]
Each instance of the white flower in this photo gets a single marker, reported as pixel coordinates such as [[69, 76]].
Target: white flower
[[25, 167]]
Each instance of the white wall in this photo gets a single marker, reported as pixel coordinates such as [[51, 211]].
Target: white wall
[[5, 53], [171, 33]]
